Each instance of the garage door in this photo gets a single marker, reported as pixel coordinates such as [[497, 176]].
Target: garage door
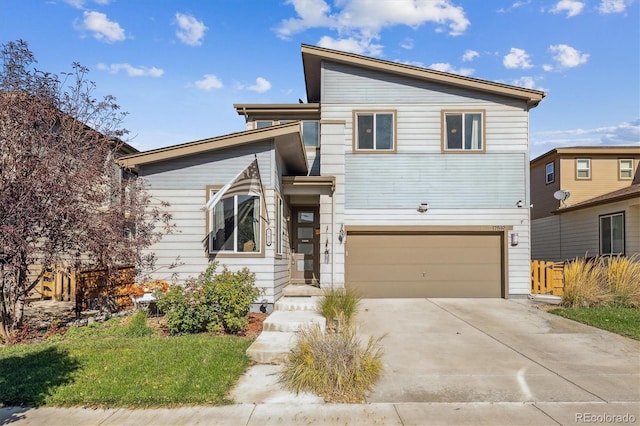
[[391, 264]]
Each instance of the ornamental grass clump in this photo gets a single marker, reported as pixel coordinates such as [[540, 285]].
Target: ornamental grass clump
[[339, 306], [211, 302], [584, 283], [335, 366], [622, 278]]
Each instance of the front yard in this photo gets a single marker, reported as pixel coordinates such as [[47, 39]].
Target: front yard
[[624, 321], [115, 364]]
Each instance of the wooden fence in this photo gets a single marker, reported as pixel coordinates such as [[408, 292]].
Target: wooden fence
[[547, 277]]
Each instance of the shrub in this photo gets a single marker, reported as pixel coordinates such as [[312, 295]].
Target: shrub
[[213, 302], [623, 280], [340, 305], [584, 283], [335, 366]]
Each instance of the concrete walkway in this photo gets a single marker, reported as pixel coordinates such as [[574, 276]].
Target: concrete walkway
[[447, 362]]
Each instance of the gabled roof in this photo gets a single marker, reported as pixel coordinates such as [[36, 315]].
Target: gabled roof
[[312, 57], [626, 193], [287, 137], [588, 150]]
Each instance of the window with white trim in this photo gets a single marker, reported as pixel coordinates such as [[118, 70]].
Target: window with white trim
[[583, 168], [463, 131], [625, 166], [549, 173], [235, 225], [612, 234], [375, 131]]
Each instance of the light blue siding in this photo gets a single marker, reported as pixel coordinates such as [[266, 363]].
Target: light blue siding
[[444, 181]]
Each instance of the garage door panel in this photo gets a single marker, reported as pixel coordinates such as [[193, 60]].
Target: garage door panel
[[424, 265]]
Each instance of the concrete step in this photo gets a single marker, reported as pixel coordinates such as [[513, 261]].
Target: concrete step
[[292, 320], [272, 347], [297, 290], [291, 303]]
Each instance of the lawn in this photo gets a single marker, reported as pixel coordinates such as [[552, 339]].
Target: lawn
[[112, 364], [619, 320]]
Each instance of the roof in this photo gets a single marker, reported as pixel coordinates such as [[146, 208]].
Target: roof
[[588, 150], [301, 110], [312, 57], [287, 136], [626, 193]]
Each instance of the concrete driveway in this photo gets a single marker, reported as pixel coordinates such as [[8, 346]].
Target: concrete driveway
[[495, 350]]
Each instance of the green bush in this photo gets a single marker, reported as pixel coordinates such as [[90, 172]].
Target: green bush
[[335, 366], [211, 302], [339, 305]]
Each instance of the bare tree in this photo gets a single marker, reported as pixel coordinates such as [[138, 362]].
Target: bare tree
[[63, 200]]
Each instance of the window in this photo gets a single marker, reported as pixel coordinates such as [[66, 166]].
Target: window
[[279, 226], [612, 234], [263, 124], [235, 225], [463, 131], [311, 133], [583, 168], [374, 131], [626, 168], [549, 175]]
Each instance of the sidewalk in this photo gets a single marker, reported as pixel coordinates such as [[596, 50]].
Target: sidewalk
[[338, 414]]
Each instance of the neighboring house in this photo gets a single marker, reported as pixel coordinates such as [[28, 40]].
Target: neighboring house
[[586, 203], [394, 180]]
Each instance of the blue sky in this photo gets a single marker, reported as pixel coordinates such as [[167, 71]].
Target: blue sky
[[177, 67]]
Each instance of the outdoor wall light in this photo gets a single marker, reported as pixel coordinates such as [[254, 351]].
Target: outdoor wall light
[[520, 204], [423, 207], [269, 239], [341, 234], [514, 239]]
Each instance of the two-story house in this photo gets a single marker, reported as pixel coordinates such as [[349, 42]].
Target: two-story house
[[393, 180], [586, 202]]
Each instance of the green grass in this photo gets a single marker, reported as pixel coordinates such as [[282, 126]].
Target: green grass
[[620, 320], [109, 365]]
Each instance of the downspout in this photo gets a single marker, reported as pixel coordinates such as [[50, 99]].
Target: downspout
[[333, 242]]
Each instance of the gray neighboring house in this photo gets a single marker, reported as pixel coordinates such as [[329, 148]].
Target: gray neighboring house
[[392, 180]]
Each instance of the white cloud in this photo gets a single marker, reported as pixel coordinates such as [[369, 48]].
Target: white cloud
[[527, 82], [353, 45], [79, 4], [469, 55], [515, 5], [626, 133], [517, 58], [613, 6], [359, 22], [572, 7], [260, 86], [567, 57], [131, 70], [101, 27], [190, 30], [445, 67], [209, 82], [407, 43]]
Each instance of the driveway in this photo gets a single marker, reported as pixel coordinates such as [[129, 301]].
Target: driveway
[[496, 350]]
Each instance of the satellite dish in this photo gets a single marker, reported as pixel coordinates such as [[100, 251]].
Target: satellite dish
[[561, 195]]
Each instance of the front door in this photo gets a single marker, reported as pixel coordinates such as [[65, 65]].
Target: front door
[[305, 245]]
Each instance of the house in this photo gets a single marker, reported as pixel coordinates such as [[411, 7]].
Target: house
[[586, 202], [392, 180]]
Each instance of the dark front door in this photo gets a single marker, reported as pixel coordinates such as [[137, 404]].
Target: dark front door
[[305, 245]]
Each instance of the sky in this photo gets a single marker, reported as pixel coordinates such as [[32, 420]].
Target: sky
[[177, 67]]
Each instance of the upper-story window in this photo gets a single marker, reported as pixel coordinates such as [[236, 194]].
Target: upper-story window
[[583, 168], [261, 124], [463, 130], [626, 168], [311, 133], [374, 131], [549, 173]]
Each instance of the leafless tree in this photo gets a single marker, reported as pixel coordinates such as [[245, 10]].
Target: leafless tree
[[63, 200]]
